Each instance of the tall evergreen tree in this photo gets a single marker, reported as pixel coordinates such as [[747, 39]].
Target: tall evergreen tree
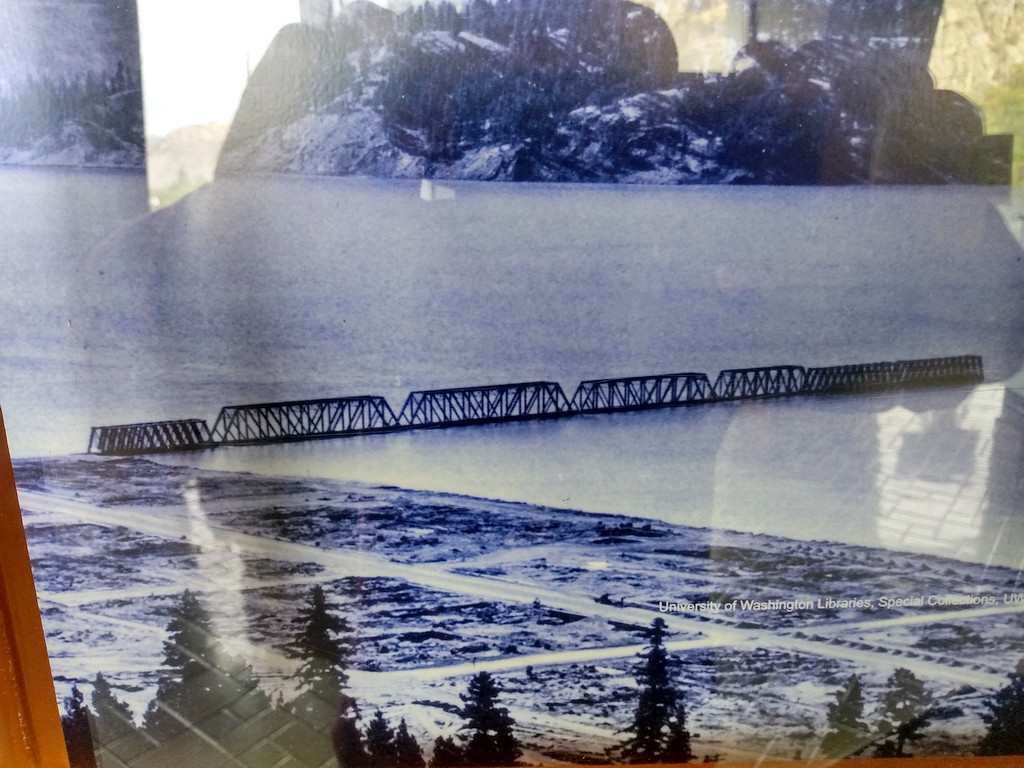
[[659, 725], [323, 647], [348, 743], [187, 655], [77, 734], [380, 742], [198, 677], [848, 734], [408, 752], [491, 739], [1005, 718], [112, 718], [447, 754], [904, 713], [113, 723]]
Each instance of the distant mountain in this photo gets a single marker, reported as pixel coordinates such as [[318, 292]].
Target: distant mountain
[[70, 90], [589, 90], [182, 161]]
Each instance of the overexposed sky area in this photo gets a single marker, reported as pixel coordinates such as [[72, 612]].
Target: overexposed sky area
[[195, 55]]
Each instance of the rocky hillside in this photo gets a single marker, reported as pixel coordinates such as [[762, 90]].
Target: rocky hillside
[[589, 90], [70, 90]]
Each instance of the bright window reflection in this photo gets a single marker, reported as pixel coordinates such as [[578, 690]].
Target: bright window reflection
[[933, 475]]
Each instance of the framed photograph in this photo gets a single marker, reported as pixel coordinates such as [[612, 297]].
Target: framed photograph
[[531, 382]]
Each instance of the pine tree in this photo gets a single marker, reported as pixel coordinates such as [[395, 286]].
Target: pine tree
[[112, 718], [408, 752], [447, 754], [380, 742], [659, 725], [1005, 718], [323, 647], [77, 734], [187, 652], [199, 677], [904, 713], [348, 743], [113, 723], [847, 735], [191, 636], [491, 740]]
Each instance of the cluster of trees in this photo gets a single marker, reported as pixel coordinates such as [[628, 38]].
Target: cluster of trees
[[490, 739], [525, 66], [107, 110], [907, 708], [905, 711], [323, 646], [514, 76], [199, 680]]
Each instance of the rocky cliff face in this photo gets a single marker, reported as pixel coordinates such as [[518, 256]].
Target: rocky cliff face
[[589, 90]]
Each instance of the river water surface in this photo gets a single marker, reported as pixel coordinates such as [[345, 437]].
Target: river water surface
[[267, 289]]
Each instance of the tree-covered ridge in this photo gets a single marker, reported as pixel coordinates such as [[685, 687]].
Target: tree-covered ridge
[[85, 120], [589, 90]]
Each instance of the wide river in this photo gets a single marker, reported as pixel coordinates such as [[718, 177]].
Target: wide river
[[266, 289]]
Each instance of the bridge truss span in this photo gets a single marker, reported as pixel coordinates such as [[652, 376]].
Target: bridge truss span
[[464, 406], [484, 405], [149, 437], [641, 392], [903, 374], [847, 379], [771, 381], [302, 420], [939, 371]]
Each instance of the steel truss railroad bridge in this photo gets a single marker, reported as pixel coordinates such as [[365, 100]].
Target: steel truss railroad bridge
[[263, 423]]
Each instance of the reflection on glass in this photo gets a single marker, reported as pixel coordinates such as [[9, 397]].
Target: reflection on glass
[[220, 567], [933, 475]]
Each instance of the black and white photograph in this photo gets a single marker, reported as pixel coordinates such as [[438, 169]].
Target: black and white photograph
[[519, 382]]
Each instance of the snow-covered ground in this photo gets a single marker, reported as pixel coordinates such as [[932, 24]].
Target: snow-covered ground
[[554, 602]]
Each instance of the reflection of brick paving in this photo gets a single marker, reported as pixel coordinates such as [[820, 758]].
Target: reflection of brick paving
[[934, 473], [239, 727]]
